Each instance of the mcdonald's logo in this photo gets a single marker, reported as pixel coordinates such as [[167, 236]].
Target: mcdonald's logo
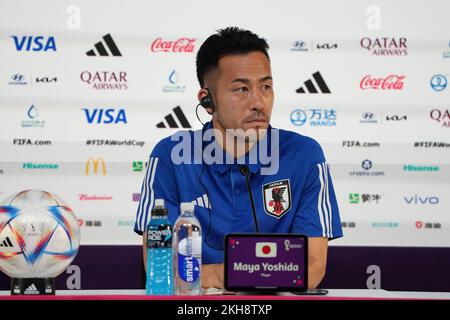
[[95, 162]]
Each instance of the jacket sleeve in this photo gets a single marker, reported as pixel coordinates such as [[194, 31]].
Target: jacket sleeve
[[159, 183], [318, 214]]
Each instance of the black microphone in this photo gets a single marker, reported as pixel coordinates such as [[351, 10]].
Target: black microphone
[[244, 171]]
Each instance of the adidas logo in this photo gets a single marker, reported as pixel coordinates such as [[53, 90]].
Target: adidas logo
[[31, 290], [171, 120], [202, 201], [309, 84], [101, 50], [6, 243]]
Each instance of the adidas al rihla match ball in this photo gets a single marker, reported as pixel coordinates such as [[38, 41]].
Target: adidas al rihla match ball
[[39, 235]]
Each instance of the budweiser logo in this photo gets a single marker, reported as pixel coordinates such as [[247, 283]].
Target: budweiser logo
[[86, 197], [391, 82], [180, 45]]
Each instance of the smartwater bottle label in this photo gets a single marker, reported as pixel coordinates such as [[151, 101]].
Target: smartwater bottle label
[[188, 264], [188, 268], [159, 236]]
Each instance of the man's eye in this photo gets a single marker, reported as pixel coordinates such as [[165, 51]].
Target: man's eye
[[267, 87], [242, 89]]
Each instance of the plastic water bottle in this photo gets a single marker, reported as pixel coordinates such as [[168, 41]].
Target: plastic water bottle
[[159, 252], [187, 256]]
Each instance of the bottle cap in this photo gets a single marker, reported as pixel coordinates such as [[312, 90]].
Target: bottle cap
[[159, 203], [159, 210], [187, 206]]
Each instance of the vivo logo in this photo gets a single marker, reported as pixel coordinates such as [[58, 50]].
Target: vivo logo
[[105, 116], [30, 43], [421, 200]]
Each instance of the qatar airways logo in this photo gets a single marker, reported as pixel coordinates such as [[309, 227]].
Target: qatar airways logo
[[385, 46], [105, 80], [182, 45], [391, 82]]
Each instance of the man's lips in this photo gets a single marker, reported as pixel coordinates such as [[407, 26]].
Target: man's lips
[[257, 120]]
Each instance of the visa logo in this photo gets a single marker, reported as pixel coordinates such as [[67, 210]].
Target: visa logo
[[419, 200], [30, 43], [105, 116]]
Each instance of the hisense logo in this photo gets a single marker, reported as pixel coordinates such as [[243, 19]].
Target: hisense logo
[[40, 166], [411, 167]]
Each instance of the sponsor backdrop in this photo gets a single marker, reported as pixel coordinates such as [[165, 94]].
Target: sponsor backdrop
[[88, 88]]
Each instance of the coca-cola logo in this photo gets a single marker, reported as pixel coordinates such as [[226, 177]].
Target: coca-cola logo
[[391, 82], [181, 45], [87, 197], [385, 46]]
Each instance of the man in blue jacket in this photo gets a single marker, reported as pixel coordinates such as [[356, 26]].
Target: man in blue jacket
[[289, 178]]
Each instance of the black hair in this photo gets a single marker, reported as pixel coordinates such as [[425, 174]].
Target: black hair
[[227, 41]]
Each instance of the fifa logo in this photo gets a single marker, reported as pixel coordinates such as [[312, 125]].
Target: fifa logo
[[287, 244], [95, 163]]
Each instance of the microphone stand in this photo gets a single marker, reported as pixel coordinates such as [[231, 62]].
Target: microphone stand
[[244, 171]]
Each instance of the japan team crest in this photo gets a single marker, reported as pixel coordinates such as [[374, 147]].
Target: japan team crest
[[277, 198]]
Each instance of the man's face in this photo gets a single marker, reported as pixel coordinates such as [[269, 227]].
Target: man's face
[[242, 90]]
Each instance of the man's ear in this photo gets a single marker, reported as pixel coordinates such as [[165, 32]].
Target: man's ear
[[202, 93]]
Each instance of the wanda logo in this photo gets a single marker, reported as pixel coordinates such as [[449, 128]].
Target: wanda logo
[[391, 82], [180, 45]]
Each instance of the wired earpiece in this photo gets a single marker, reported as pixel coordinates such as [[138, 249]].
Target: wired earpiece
[[207, 101]]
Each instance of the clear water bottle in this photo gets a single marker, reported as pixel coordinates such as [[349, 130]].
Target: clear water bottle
[[187, 258], [159, 252]]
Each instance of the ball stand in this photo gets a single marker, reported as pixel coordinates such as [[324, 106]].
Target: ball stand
[[32, 286]]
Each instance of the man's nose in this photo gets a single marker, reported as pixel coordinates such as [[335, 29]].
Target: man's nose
[[257, 101]]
